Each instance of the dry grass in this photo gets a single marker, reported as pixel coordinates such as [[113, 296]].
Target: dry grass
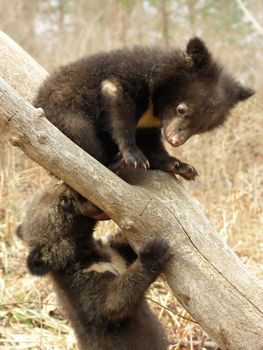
[[230, 184]]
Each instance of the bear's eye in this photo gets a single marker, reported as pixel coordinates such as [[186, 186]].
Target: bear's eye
[[182, 109]]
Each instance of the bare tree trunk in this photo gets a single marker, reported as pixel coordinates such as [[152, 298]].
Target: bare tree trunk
[[205, 275], [191, 10], [249, 16], [19, 69], [164, 9], [61, 15]]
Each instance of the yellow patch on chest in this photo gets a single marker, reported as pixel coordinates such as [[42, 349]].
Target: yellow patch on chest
[[102, 267], [148, 119], [116, 266]]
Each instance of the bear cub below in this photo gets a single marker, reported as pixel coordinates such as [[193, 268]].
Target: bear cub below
[[101, 285]]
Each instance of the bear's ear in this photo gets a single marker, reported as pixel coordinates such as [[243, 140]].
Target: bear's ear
[[35, 263], [244, 93], [198, 52]]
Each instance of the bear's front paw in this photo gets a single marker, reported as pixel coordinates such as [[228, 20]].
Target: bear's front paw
[[155, 254], [135, 159], [67, 203], [185, 170]]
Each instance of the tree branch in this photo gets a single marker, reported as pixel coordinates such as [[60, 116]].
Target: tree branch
[[249, 15], [205, 275], [19, 69]]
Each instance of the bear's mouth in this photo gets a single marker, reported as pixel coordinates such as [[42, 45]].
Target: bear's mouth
[[175, 139]]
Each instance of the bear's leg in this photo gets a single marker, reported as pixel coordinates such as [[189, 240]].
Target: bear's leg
[[121, 111], [132, 284], [81, 129], [150, 141]]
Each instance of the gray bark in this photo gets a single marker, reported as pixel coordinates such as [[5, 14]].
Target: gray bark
[[19, 69], [215, 287]]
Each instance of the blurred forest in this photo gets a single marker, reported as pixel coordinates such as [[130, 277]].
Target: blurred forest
[[58, 31], [229, 160]]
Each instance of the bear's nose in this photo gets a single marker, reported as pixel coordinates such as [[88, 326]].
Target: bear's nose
[[175, 141]]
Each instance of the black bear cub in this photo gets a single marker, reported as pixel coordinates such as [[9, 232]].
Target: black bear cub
[[103, 103], [100, 285]]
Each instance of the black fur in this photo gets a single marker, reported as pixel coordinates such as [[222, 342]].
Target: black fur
[[103, 298], [99, 100], [36, 264]]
